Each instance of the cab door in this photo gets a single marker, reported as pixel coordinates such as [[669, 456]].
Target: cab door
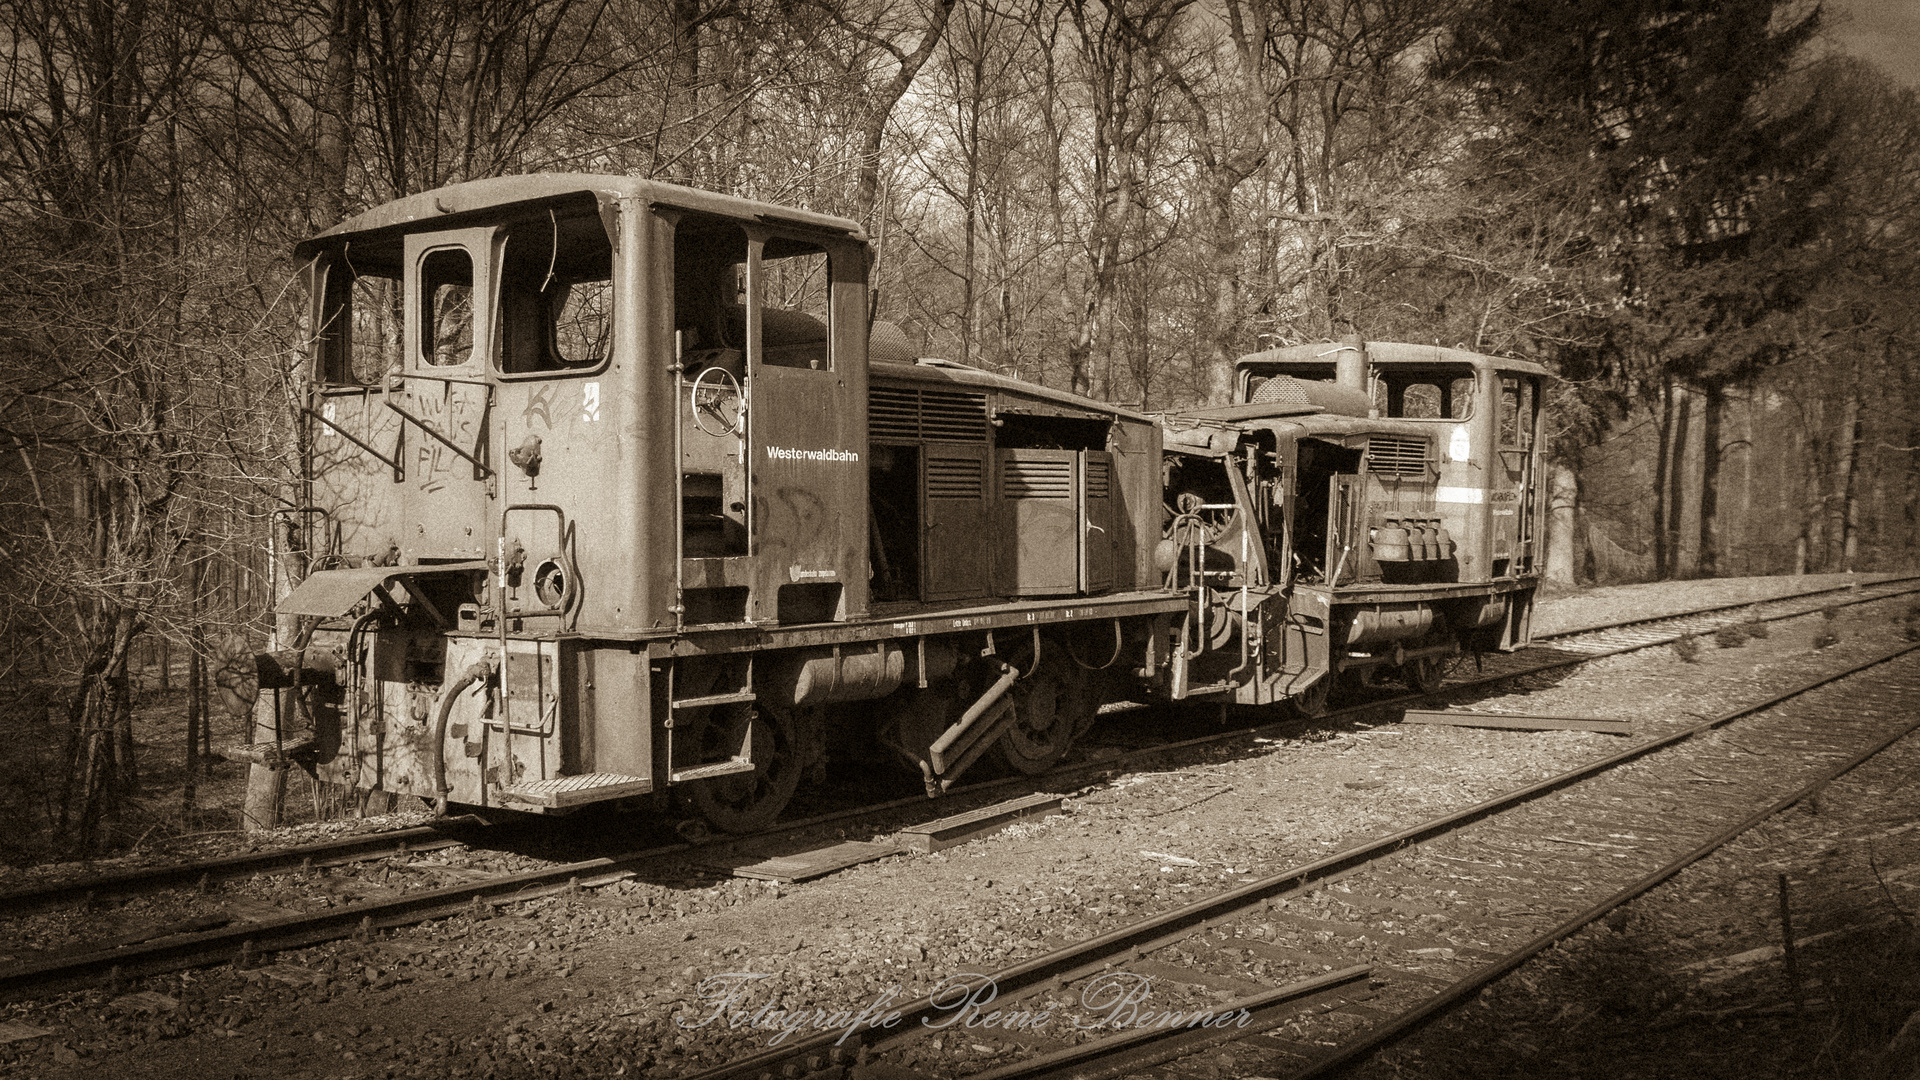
[[806, 409], [1512, 524], [446, 394]]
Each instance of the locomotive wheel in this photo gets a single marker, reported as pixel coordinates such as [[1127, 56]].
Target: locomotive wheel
[[745, 801], [1311, 703], [1426, 673], [1043, 727], [1079, 701]]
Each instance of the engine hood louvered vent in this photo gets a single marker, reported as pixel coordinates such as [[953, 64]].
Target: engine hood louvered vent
[[1397, 455], [937, 415], [1036, 479], [955, 478]]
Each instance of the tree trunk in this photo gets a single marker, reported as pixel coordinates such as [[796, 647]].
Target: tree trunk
[[1745, 545], [1846, 458], [1563, 502], [333, 139], [196, 717], [1910, 504], [1812, 545], [1712, 417], [867, 186], [1679, 468], [1662, 481]]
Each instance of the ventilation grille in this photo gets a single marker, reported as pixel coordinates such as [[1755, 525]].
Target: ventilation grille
[[1036, 480], [1397, 455], [1281, 390], [940, 415], [1098, 478], [955, 478]]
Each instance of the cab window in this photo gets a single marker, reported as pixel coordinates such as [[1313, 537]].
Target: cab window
[[447, 293], [1423, 394], [359, 339], [1516, 412], [556, 296], [710, 298]]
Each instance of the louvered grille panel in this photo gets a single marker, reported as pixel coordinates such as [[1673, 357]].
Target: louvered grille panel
[[1097, 479], [1037, 480], [954, 478], [893, 414], [952, 417], [1397, 455], [943, 415]]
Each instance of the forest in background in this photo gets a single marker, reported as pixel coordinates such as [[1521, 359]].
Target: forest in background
[[1691, 210]]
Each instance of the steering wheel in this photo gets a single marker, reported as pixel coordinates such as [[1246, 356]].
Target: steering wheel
[[716, 394]]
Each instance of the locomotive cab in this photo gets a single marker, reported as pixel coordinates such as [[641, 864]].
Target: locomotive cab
[[595, 512], [1393, 491], [536, 447]]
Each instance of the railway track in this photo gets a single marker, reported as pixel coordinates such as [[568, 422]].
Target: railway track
[[437, 888], [1311, 968]]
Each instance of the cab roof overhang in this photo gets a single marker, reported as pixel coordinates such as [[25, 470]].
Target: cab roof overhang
[[480, 201]]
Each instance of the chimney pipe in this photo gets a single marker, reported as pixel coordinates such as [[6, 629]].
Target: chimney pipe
[[1350, 364]]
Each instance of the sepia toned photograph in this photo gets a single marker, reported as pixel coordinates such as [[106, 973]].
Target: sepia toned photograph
[[960, 539]]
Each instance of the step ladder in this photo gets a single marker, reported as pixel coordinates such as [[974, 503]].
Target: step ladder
[[742, 759]]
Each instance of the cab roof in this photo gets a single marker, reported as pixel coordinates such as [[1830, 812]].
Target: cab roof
[[478, 200], [1390, 352]]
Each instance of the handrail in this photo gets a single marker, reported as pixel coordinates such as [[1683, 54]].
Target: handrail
[[405, 375], [399, 470], [448, 443]]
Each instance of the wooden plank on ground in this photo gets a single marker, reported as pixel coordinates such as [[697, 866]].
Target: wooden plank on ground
[[1517, 721], [805, 864], [960, 828]]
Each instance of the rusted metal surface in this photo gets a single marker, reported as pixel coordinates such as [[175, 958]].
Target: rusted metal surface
[[634, 430]]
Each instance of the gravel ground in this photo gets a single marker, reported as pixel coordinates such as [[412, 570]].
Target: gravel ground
[[608, 984], [1691, 979], [1562, 612]]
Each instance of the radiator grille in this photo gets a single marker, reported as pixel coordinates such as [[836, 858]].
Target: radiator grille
[[1036, 480], [955, 478], [942, 415], [1397, 455]]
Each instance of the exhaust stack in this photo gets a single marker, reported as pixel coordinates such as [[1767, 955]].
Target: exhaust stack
[[1350, 365]]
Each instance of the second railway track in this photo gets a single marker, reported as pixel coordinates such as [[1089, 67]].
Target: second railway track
[[1306, 970], [360, 912]]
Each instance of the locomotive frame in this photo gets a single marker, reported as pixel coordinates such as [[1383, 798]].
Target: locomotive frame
[[609, 501]]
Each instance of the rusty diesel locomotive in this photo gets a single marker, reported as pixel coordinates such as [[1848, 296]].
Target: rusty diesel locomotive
[[617, 493]]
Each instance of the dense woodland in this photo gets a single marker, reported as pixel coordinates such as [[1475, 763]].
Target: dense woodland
[[1692, 210]]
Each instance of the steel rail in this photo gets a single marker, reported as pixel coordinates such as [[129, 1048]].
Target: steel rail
[[247, 941], [1851, 586], [334, 852], [338, 851], [1456, 994], [1076, 961], [217, 946]]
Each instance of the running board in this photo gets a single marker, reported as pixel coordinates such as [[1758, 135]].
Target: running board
[[565, 791]]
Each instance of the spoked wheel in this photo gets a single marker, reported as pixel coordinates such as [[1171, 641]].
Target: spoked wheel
[[744, 801], [1426, 673], [1311, 703], [1046, 714]]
